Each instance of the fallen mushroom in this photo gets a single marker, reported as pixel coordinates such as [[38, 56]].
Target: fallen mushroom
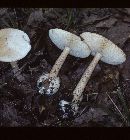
[[70, 44], [103, 49], [14, 45]]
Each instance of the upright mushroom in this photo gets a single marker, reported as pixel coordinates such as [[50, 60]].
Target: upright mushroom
[[103, 49], [70, 44], [14, 45]]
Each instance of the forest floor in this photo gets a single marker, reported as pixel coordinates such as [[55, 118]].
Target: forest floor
[[106, 100]]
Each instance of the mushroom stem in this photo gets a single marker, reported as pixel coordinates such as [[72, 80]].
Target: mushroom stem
[[16, 71], [77, 93], [59, 62]]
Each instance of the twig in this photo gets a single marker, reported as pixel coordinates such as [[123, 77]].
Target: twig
[[3, 85], [117, 108]]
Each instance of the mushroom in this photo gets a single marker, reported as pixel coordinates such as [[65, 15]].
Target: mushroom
[[70, 44], [14, 45], [103, 49]]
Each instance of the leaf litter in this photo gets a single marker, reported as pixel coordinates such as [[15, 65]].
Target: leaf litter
[[21, 105]]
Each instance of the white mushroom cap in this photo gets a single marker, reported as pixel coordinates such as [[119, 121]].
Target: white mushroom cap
[[62, 39], [110, 52], [14, 45]]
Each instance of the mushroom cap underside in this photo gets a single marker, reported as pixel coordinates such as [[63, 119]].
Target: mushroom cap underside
[[62, 39], [14, 44], [110, 52]]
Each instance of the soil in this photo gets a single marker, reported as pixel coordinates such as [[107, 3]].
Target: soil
[[106, 100]]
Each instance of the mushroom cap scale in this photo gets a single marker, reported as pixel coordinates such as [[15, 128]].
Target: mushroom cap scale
[[110, 52], [14, 44], [62, 39]]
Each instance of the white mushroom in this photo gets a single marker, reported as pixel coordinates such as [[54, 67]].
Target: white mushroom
[[70, 44], [14, 45], [103, 49]]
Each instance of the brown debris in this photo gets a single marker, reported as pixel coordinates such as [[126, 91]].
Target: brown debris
[[21, 104], [107, 23]]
